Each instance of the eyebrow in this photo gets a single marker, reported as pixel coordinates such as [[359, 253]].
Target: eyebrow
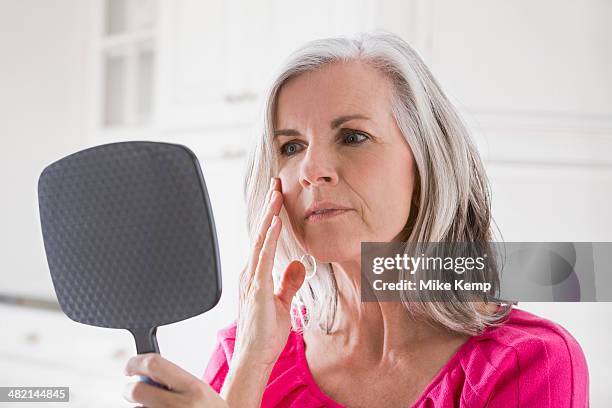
[[333, 124]]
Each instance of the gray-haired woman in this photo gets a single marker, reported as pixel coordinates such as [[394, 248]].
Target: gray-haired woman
[[360, 144]]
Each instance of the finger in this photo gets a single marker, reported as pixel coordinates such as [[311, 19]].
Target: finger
[[149, 395], [274, 207], [159, 369], [269, 205], [262, 228], [273, 187], [244, 280], [263, 272], [292, 280], [270, 189]]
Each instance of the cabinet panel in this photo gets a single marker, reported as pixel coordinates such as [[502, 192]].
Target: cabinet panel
[[554, 203], [194, 65], [197, 57], [217, 57], [543, 57]]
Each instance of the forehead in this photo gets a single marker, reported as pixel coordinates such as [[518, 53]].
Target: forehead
[[335, 89]]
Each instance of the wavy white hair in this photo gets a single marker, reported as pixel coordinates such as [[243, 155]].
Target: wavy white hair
[[451, 198]]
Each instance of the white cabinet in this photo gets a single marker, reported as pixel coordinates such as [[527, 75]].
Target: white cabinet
[[124, 59], [532, 78], [199, 84], [541, 57], [514, 69], [210, 61], [216, 57]]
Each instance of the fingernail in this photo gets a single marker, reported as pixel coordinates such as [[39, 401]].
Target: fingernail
[[272, 182], [275, 220]]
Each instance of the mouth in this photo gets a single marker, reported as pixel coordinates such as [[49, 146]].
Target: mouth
[[326, 214]]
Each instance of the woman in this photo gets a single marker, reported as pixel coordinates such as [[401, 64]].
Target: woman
[[360, 144]]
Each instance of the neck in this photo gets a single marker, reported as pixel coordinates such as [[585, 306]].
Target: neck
[[379, 332]]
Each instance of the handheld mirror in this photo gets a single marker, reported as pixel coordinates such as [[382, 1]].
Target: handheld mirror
[[130, 238]]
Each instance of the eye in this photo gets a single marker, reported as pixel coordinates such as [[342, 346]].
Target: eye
[[354, 137], [349, 136], [289, 149]]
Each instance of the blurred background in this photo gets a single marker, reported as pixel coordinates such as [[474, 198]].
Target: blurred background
[[532, 78]]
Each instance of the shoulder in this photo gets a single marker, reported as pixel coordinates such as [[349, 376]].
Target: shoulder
[[530, 360], [525, 334]]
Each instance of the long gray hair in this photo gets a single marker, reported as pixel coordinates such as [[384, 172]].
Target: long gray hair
[[451, 199]]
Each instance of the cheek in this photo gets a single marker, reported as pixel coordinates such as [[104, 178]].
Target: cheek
[[401, 190], [291, 190], [387, 189]]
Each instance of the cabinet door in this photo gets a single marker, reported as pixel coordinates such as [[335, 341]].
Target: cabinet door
[[216, 57], [196, 73]]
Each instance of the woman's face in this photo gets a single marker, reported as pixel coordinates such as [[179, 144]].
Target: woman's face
[[337, 142]]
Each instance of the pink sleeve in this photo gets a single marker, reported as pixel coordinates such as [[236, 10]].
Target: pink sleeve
[[218, 364], [216, 369], [547, 372]]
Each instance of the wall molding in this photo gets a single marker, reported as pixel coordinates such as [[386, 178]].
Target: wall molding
[[542, 138]]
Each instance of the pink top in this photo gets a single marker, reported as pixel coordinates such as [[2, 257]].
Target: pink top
[[526, 362]]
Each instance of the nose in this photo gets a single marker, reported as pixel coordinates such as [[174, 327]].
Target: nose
[[317, 167]]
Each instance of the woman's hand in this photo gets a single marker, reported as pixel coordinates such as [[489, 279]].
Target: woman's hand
[[185, 389], [264, 319]]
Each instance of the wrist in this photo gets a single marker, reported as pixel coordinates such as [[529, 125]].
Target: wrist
[[252, 360], [245, 382]]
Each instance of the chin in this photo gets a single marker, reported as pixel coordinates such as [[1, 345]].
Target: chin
[[327, 256], [333, 250], [331, 242]]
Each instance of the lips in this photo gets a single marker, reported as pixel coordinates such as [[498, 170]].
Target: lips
[[325, 215], [322, 207]]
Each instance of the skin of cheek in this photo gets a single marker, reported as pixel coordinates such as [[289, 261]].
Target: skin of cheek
[[372, 182], [387, 185]]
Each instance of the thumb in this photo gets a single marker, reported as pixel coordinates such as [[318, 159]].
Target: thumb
[[292, 280]]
